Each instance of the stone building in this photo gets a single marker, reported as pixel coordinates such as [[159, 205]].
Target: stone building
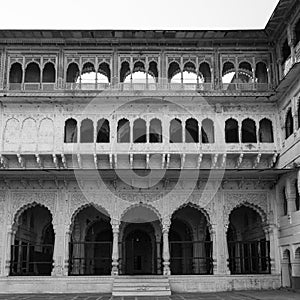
[[150, 161]]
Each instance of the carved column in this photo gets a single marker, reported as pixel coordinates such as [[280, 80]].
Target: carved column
[[166, 250], [213, 235], [272, 235], [8, 255], [60, 254], [221, 251], [290, 196], [115, 224]]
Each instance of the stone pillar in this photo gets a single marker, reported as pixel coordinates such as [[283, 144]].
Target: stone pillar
[[222, 256], [213, 235], [158, 253], [166, 250], [115, 224], [61, 251], [272, 236], [8, 255]]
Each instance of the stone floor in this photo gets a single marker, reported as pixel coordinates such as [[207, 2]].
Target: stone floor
[[237, 295]]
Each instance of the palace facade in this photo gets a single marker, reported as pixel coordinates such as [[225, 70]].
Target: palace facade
[[150, 162]]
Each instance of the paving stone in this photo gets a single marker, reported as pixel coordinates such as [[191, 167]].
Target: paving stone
[[237, 295]]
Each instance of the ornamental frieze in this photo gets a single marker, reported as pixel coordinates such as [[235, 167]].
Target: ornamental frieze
[[232, 200], [20, 199]]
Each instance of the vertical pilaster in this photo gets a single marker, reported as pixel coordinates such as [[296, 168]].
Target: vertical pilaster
[[9, 241], [61, 244], [115, 224], [166, 250], [272, 235], [222, 256], [213, 234]]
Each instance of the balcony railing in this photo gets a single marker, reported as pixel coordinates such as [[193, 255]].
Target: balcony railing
[[246, 86], [139, 86]]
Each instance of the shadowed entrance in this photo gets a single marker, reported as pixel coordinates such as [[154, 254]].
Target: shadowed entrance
[[140, 242]]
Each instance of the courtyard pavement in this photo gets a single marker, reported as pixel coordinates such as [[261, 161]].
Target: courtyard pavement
[[236, 295]]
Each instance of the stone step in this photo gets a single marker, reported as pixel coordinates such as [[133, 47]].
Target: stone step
[[141, 286]]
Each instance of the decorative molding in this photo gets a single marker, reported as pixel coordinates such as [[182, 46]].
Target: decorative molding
[[21, 199], [258, 201]]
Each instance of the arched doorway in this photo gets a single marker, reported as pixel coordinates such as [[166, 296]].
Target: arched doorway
[[32, 249], [190, 242], [139, 250], [140, 242], [249, 251], [90, 249], [286, 271]]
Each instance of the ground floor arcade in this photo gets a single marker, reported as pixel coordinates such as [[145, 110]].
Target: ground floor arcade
[[69, 239]]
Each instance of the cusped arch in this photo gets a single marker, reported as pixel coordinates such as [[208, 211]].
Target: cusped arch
[[195, 206], [12, 131], [252, 206], [75, 211], [286, 254], [32, 204], [29, 131], [156, 214], [46, 131]]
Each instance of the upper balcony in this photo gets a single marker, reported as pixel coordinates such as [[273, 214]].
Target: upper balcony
[[159, 142], [183, 74]]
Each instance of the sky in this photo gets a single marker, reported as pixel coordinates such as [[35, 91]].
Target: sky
[[136, 14]]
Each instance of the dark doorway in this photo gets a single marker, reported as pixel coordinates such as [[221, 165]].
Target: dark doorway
[[138, 253]]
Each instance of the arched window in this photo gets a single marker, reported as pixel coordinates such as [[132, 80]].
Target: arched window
[[191, 131], [249, 131], [188, 75], [139, 76], [104, 73], [228, 72], [125, 70], [33, 245], [284, 202], [72, 72], [207, 131], [261, 72], [245, 74], [289, 124], [87, 131], [139, 131], [70, 131], [95, 243], [88, 75], [49, 72], [266, 131], [231, 131], [153, 70], [15, 73], [175, 131], [123, 131], [297, 199], [103, 131], [173, 70], [204, 69], [248, 248], [190, 242], [155, 131], [32, 72]]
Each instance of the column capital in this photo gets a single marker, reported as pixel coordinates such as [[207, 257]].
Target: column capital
[[166, 223], [115, 224]]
